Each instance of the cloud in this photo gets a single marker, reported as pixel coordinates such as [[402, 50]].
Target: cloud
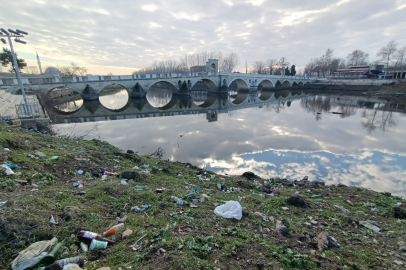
[[255, 29]]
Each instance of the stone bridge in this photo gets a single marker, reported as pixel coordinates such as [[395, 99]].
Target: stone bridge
[[92, 111], [137, 85]]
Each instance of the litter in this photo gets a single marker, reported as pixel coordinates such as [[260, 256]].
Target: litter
[[370, 225], [80, 172], [82, 159], [7, 169], [84, 247], [398, 204], [146, 166], [135, 168], [230, 209], [12, 166], [6, 149], [145, 171], [114, 229], [96, 244], [350, 203], [53, 158], [53, 221], [124, 183], [341, 208], [87, 235], [139, 188], [193, 205], [140, 209]]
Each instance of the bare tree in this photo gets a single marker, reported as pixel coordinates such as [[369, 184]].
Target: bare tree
[[31, 70], [258, 67], [72, 69], [230, 62], [387, 52], [401, 59], [282, 64], [272, 65], [309, 69], [357, 58]]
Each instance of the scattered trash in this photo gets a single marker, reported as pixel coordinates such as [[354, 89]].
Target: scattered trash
[[53, 158], [188, 196], [96, 244], [7, 169], [124, 183], [82, 159], [146, 166], [398, 204], [34, 254], [86, 235], [159, 190], [193, 205], [180, 202], [84, 247], [80, 172], [161, 250], [317, 196], [140, 209], [350, 203], [145, 171], [53, 221], [40, 154], [6, 149], [370, 225], [230, 209], [79, 184], [374, 209], [2, 204], [139, 188], [341, 208], [135, 168], [285, 208]]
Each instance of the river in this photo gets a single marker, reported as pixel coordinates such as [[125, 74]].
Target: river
[[354, 140]]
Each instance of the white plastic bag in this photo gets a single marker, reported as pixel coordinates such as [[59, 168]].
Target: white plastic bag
[[231, 209], [7, 169]]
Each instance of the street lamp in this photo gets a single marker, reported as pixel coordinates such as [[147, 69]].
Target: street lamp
[[17, 34]]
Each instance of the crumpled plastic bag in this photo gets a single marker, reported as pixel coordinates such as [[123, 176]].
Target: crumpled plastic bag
[[32, 255], [7, 169], [230, 209]]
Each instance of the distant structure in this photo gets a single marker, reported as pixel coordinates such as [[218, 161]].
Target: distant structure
[[212, 65], [372, 72], [39, 64], [196, 69], [52, 71]]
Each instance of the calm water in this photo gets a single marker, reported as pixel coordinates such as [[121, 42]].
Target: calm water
[[289, 136]]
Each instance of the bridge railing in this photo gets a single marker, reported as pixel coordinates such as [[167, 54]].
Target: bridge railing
[[91, 78]]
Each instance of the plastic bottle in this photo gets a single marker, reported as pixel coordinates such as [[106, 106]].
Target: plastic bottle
[[114, 229], [58, 265], [53, 254], [96, 244], [86, 235], [180, 202], [174, 199]]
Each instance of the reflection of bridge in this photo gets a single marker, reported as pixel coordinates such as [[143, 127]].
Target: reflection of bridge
[[137, 85], [179, 105]]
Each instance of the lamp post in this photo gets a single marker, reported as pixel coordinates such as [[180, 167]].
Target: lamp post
[[17, 34]]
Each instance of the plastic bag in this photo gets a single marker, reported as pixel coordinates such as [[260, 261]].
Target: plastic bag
[[7, 169], [230, 209]]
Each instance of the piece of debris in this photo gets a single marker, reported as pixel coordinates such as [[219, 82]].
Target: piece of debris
[[298, 200], [370, 225], [324, 241]]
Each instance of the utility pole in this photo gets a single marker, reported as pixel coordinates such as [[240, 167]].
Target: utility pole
[[17, 34]]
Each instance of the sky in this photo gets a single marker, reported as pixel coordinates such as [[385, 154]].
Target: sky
[[123, 36]]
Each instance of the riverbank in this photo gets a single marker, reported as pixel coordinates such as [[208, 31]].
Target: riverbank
[[181, 237]]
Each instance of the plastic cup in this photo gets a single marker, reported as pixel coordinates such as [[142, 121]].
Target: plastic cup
[[96, 244]]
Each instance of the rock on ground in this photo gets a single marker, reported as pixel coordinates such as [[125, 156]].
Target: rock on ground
[[399, 213], [402, 246], [104, 268], [72, 266], [298, 200], [281, 229], [250, 176], [245, 212], [71, 212], [126, 233], [324, 241]]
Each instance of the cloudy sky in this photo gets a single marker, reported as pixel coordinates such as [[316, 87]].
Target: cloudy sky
[[121, 36]]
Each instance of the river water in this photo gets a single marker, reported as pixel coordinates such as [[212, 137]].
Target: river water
[[352, 140]]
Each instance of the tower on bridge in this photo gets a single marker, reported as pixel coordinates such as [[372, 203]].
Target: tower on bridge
[[212, 65]]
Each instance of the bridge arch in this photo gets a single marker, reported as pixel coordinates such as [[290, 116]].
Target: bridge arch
[[211, 85], [241, 83], [165, 84], [286, 84], [119, 102]]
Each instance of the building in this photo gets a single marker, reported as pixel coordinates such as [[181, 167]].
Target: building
[[360, 71], [196, 69]]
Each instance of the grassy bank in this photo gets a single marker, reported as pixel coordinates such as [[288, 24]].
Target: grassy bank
[[206, 241]]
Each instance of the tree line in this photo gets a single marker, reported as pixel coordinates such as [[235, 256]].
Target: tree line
[[273, 67], [390, 55], [227, 62]]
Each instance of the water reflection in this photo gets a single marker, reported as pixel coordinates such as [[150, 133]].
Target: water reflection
[[277, 137], [159, 96], [65, 99], [114, 97]]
